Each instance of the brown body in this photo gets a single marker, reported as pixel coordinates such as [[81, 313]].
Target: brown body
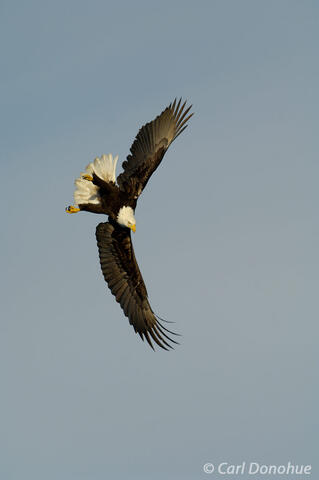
[[112, 199]]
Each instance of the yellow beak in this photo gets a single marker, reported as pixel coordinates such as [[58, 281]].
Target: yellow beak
[[133, 227]]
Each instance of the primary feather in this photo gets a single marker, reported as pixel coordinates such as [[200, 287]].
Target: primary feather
[[121, 272], [150, 146]]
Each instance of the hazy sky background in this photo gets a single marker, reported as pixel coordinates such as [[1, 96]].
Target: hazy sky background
[[227, 239]]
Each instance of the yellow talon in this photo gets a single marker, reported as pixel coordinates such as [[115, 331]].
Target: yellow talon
[[72, 209], [87, 177]]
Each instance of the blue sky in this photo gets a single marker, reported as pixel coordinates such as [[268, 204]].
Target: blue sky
[[227, 239]]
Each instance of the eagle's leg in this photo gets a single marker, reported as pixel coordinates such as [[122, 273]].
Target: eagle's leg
[[99, 182], [87, 207], [72, 209], [96, 180]]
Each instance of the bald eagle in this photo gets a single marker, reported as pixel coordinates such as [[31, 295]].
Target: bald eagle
[[98, 191]]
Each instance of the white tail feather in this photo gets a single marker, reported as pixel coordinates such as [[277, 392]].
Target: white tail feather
[[104, 167], [86, 191]]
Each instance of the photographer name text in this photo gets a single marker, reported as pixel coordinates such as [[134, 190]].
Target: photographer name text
[[255, 468]]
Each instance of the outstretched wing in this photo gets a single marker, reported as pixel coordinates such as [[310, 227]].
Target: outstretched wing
[[125, 281], [150, 146]]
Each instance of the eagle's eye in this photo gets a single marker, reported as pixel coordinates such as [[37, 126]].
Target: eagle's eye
[[132, 226]]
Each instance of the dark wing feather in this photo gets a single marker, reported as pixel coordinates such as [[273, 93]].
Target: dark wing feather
[[150, 146], [125, 281]]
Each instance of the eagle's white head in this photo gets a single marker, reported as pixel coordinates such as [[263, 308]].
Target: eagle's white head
[[126, 218]]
